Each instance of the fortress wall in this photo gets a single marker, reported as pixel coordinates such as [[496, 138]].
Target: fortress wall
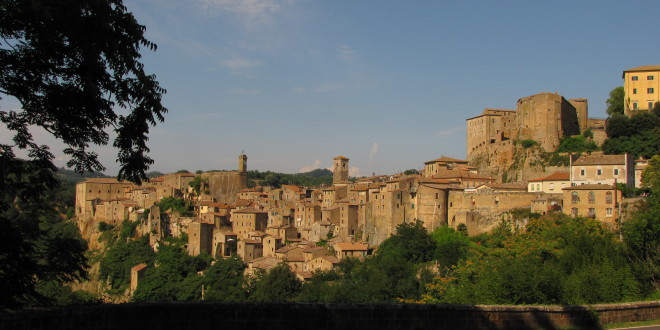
[[483, 211], [325, 316], [582, 109], [225, 186]]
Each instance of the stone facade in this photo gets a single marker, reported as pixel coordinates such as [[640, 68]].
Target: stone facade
[[603, 169], [545, 118], [599, 201], [340, 170]]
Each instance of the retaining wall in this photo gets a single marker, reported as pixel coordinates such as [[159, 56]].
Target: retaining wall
[[245, 316]]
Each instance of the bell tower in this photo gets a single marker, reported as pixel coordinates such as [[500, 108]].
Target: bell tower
[[340, 170], [242, 163]]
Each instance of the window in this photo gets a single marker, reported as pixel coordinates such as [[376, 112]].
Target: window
[[634, 78], [592, 197], [599, 172], [634, 105], [650, 105], [582, 172], [608, 197], [592, 213], [634, 90], [574, 197], [574, 212], [608, 212], [649, 90], [616, 171], [649, 77], [552, 186]]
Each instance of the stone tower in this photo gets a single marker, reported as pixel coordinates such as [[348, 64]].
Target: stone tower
[[242, 163], [582, 108], [340, 170]]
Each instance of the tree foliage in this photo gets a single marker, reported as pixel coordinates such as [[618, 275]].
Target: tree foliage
[[313, 178], [616, 101], [280, 284], [69, 64], [577, 144], [638, 135], [556, 260]]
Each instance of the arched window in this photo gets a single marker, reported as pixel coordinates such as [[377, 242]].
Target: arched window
[[574, 197]]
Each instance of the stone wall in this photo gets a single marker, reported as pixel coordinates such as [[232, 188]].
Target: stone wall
[[225, 186], [182, 316]]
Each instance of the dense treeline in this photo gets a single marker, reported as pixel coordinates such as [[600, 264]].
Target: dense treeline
[[554, 260], [313, 178], [638, 135], [40, 250]]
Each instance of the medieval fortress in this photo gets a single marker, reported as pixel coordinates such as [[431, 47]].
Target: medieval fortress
[[268, 225]]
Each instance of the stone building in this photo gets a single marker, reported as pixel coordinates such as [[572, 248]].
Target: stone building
[[641, 86], [551, 184], [598, 201], [545, 118], [483, 209], [436, 166], [249, 249], [340, 170], [137, 273], [603, 169], [351, 250], [200, 238], [247, 220], [89, 192], [226, 186]]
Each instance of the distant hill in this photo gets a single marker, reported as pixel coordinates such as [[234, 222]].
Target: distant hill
[[67, 175]]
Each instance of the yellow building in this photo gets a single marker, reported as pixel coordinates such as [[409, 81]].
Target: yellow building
[[641, 87]]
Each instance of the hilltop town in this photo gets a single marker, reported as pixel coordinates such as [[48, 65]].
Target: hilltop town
[[314, 228]]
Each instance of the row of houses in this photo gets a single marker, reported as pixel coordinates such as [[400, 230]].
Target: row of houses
[[263, 223]]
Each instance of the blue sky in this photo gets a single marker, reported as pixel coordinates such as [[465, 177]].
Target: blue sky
[[388, 84]]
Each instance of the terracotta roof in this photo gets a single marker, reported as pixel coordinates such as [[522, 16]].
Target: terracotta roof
[[351, 246], [454, 174], [557, 176], [139, 267], [341, 157], [591, 187], [291, 187], [243, 202], [642, 69], [186, 174], [105, 180], [250, 210], [295, 259], [444, 159], [507, 186], [287, 248], [360, 187], [312, 249], [250, 241], [600, 160], [264, 262], [432, 180], [227, 232], [331, 259]]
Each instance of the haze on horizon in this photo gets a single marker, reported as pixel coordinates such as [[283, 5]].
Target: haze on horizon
[[294, 83]]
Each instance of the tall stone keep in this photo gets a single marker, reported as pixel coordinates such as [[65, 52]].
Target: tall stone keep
[[242, 163], [340, 170]]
